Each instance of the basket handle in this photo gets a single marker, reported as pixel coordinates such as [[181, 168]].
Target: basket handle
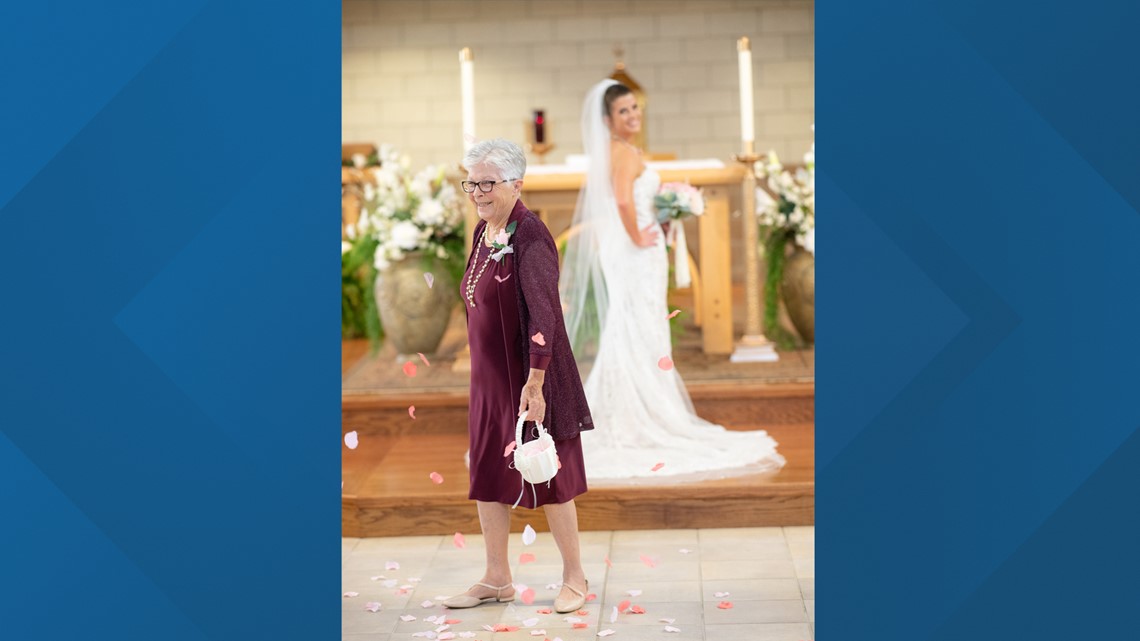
[[519, 432]]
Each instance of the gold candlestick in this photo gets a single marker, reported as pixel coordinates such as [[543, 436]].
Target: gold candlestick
[[540, 149], [753, 346]]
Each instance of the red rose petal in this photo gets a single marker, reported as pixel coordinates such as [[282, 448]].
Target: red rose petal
[[580, 626], [623, 606], [665, 363], [545, 611], [724, 605], [583, 613], [526, 557], [410, 368], [591, 596], [527, 596]]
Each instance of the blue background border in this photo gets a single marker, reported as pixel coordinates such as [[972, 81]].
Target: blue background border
[[978, 462], [169, 443]]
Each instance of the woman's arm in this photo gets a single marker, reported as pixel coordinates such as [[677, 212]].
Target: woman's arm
[[626, 166]]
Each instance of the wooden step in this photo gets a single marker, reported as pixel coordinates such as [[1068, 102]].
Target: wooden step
[[387, 491]]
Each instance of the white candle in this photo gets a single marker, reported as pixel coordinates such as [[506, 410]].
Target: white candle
[[744, 53], [467, 90]]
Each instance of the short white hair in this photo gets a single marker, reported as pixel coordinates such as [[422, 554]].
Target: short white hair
[[499, 152]]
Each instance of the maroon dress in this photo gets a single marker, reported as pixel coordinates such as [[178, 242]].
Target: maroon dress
[[498, 372]]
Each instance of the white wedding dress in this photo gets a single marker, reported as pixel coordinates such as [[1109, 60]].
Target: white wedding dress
[[642, 414]]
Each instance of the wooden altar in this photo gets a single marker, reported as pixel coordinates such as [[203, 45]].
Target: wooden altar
[[553, 196]]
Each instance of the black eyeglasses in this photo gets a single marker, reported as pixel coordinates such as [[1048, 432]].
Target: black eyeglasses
[[484, 186]]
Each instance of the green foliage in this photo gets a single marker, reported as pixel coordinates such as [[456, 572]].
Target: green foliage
[[358, 314], [774, 243]]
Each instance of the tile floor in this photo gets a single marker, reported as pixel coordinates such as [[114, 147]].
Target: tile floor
[[769, 574]]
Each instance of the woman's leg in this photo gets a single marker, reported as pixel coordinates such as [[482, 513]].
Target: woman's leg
[[563, 521], [495, 521]]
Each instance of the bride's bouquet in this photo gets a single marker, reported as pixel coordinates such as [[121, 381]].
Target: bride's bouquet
[[675, 202]]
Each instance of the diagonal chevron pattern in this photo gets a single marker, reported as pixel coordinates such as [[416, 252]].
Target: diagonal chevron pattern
[[171, 332]]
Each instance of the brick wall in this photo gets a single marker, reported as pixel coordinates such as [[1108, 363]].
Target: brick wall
[[401, 70]]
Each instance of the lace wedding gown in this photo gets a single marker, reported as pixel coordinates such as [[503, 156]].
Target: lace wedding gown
[[642, 414]]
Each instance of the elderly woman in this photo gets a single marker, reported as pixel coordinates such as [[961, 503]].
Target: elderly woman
[[520, 363]]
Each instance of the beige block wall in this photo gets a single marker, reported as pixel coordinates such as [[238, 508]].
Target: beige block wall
[[401, 71]]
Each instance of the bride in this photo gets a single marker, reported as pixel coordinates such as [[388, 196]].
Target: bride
[[613, 285]]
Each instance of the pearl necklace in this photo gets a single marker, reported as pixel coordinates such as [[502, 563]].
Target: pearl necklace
[[471, 284]]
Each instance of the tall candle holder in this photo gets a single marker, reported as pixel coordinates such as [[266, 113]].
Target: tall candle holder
[[540, 149], [753, 346]]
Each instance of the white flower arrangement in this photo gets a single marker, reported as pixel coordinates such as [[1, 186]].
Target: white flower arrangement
[[793, 209], [405, 212]]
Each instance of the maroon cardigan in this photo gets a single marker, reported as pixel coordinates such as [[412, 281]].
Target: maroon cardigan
[[534, 265]]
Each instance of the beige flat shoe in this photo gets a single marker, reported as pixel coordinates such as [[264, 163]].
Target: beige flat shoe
[[571, 605], [465, 601]]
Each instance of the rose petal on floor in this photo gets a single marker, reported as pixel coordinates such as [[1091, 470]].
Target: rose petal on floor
[[372, 606], [666, 620], [545, 611], [636, 609], [657, 467], [609, 564], [446, 636], [526, 557], [452, 621], [349, 595], [605, 633], [670, 628], [427, 604], [430, 278], [466, 635], [724, 605], [410, 369], [613, 614], [634, 592], [651, 562], [721, 595], [529, 535], [351, 440], [583, 612], [527, 597], [412, 411], [591, 596], [621, 607], [389, 583], [392, 565], [423, 358], [530, 623], [459, 541], [436, 477], [664, 363], [538, 338], [684, 551], [580, 626], [538, 633]]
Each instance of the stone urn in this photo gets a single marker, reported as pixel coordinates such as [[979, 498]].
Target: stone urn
[[798, 289], [414, 315]]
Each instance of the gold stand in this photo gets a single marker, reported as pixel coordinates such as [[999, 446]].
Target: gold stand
[[540, 149], [753, 346]]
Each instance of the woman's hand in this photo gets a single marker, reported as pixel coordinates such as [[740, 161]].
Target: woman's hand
[[647, 237], [531, 401]]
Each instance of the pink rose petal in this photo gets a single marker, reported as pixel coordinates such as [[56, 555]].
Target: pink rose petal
[[657, 467], [651, 562], [605, 633], [673, 313], [526, 557], [636, 609], [501, 279], [351, 440], [453, 621], [459, 541], [430, 278], [609, 564], [545, 611], [436, 478], [724, 605], [538, 339], [412, 411], [591, 597], [527, 596], [665, 363], [427, 604], [349, 595], [392, 565], [423, 358], [410, 369], [372, 606], [510, 448], [579, 626], [622, 607], [634, 592]]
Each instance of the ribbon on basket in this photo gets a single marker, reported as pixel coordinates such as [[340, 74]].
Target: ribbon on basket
[[680, 254]]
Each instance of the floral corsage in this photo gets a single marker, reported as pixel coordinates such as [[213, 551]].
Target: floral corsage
[[501, 244]]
